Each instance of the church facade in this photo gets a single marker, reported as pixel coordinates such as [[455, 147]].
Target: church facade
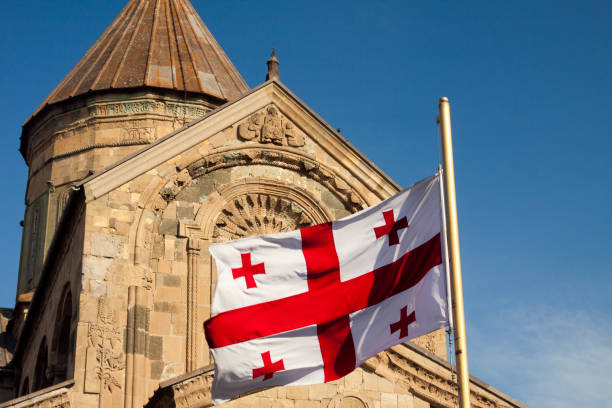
[[151, 149]]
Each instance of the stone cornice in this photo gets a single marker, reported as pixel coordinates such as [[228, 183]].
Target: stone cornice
[[407, 365], [56, 396]]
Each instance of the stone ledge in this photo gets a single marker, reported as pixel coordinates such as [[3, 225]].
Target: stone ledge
[[56, 391]]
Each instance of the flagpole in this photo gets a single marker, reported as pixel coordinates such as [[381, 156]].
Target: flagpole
[[452, 230]]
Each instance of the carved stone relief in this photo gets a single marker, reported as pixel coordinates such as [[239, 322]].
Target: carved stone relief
[[259, 213], [283, 159], [194, 392], [104, 351], [271, 127], [137, 131]]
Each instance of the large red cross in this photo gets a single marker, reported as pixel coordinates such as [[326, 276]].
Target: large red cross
[[247, 270], [328, 301], [391, 227], [402, 324], [269, 367]]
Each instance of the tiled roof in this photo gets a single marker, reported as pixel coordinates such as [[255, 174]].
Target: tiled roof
[[155, 43]]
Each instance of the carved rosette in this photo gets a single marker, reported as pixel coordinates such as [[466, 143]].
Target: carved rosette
[[259, 213]]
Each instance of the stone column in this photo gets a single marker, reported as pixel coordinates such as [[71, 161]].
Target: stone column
[[193, 255]]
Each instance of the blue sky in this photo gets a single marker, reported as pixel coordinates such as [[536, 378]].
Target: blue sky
[[529, 85]]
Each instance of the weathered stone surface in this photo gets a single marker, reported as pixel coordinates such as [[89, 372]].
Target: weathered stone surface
[[106, 245]]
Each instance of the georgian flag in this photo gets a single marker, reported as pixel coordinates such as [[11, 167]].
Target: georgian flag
[[308, 306]]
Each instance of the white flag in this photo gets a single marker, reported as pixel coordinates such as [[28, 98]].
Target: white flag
[[308, 306]]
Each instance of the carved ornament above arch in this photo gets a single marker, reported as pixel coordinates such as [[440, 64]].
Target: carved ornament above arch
[[286, 158], [256, 206]]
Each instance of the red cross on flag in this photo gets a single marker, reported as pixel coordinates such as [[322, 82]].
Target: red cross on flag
[[308, 306]]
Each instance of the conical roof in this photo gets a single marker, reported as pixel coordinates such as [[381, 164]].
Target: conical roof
[[155, 43]]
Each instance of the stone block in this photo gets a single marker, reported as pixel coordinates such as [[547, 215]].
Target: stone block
[[100, 221], [179, 268], [160, 323], [179, 324], [354, 380], [388, 400], [169, 248], [184, 212], [297, 392], [121, 228], [92, 383], [106, 245], [95, 267], [419, 403], [283, 404], [322, 391], [174, 348], [171, 370], [385, 385], [370, 381], [167, 294], [170, 280], [269, 393], [123, 215], [119, 196], [97, 288], [165, 307], [156, 350], [168, 227], [307, 404], [405, 401]]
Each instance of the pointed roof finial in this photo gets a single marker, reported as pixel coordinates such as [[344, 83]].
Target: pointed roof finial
[[273, 67]]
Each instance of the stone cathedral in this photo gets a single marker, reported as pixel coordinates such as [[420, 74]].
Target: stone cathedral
[[150, 149]]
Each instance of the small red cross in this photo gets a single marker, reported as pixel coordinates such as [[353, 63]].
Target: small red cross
[[247, 270], [391, 227], [402, 324], [269, 367]]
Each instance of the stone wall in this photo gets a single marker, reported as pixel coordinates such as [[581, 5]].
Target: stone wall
[[45, 320], [70, 141]]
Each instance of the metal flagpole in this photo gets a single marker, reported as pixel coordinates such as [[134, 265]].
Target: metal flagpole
[[452, 230]]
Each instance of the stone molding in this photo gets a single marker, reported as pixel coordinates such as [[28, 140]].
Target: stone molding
[[207, 216], [287, 158], [215, 122], [432, 379], [56, 396], [406, 366]]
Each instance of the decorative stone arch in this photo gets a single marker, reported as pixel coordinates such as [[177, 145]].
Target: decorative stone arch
[[260, 199], [62, 337], [270, 195], [165, 188]]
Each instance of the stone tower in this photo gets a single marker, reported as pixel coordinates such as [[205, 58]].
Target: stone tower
[[154, 69], [138, 161]]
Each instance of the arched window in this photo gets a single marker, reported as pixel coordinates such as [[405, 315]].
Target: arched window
[[61, 337], [42, 360], [25, 386]]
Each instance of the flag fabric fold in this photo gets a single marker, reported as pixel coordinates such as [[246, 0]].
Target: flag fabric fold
[[308, 306]]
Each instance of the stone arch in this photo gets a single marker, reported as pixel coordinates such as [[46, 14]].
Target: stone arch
[[164, 189], [62, 339], [41, 378], [256, 206]]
